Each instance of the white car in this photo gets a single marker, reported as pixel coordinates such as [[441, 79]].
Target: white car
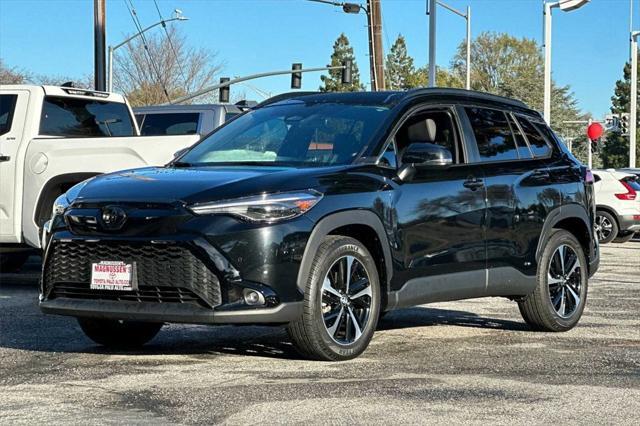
[[52, 138], [617, 205]]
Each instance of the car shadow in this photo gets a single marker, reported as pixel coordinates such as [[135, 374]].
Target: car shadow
[[23, 327]]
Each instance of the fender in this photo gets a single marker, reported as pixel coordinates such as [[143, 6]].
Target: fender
[[558, 214], [337, 220]]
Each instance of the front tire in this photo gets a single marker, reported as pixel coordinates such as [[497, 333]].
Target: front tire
[[341, 302], [606, 227], [559, 298], [118, 333]]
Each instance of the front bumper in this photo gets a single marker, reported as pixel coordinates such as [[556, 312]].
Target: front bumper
[[164, 312]]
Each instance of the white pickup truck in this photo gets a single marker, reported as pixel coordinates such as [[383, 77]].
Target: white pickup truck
[[54, 137]]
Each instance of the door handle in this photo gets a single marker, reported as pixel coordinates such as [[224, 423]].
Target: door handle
[[4, 158], [473, 183]]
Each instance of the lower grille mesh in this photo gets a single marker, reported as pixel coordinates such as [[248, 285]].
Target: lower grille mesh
[[166, 273]]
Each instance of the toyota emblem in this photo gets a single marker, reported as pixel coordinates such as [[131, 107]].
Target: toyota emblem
[[113, 217]]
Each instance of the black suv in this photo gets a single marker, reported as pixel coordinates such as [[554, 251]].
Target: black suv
[[323, 211]]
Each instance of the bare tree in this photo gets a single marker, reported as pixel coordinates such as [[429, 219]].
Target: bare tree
[[165, 69], [12, 75]]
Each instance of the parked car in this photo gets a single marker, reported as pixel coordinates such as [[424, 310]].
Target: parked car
[[319, 212], [201, 119], [617, 205], [54, 137]]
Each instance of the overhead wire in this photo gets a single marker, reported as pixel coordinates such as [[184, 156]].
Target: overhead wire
[[173, 49]]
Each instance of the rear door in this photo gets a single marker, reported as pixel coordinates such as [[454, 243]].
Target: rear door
[[519, 195], [13, 110]]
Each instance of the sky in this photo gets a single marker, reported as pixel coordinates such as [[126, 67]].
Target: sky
[[55, 37]]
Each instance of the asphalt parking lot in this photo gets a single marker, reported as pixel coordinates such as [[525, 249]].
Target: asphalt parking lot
[[473, 362]]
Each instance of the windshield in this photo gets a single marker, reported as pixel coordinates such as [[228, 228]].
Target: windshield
[[292, 133]]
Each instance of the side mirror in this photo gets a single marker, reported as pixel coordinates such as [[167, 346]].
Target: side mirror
[[180, 152], [423, 156]]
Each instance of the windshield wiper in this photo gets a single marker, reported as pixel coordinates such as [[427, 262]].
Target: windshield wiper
[[181, 164]]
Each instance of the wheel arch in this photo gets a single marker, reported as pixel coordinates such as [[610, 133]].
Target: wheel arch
[[609, 210], [572, 218], [53, 189], [362, 225]]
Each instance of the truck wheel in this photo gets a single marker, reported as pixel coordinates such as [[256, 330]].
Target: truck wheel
[[118, 333], [558, 300], [341, 302], [12, 262], [623, 237], [606, 227]]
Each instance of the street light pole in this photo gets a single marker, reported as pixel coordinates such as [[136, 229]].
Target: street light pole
[[633, 93], [112, 49], [565, 6], [467, 17], [432, 43]]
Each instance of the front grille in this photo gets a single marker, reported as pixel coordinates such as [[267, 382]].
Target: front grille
[[164, 272], [143, 294]]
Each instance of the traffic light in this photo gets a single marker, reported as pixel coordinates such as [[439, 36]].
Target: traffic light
[[296, 77], [595, 144], [223, 92], [624, 123], [612, 122], [346, 71]]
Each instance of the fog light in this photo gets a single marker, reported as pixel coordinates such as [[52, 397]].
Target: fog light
[[253, 297]]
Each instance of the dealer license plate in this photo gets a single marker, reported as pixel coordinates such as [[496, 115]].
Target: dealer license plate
[[113, 275]]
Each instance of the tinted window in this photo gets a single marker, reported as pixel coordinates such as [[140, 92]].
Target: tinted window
[[73, 117], [7, 105], [229, 115], [523, 149], [434, 127], [537, 142], [596, 178], [179, 123], [632, 181], [493, 134], [292, 133]]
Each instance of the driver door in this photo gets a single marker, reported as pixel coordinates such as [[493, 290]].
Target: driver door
[[441, 217]]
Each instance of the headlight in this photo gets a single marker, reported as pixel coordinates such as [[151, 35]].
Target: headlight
[[59, 206], [263, 208]]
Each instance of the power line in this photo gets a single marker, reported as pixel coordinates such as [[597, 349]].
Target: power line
[[152, 65], [175, 53]]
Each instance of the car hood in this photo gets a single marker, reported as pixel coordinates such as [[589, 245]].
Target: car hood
[[192, 185]]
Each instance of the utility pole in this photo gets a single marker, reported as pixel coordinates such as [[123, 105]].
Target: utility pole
[[99, 35], [431, 11], [376, 30], [633, 99]]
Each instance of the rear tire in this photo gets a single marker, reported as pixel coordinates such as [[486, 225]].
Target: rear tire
[[623, 237], [340, 314], [119, 334], [12, 262], [560, 295], [606, 227]]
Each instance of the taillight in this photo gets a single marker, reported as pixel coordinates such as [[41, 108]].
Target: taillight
[[588, 177], [629, 195]]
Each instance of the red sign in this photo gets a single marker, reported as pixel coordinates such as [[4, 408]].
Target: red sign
[[594, 131]]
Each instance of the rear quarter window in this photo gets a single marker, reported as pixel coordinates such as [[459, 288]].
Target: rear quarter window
[[537, 134]]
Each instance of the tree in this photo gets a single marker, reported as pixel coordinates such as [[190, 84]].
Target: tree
[[514, 67], [168, 69], [400, 71], [342, 51], [616, 147], [12, 75]]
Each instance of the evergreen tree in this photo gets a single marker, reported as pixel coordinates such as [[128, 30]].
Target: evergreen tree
[[400, 71], [615, 151], [342, 51]]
